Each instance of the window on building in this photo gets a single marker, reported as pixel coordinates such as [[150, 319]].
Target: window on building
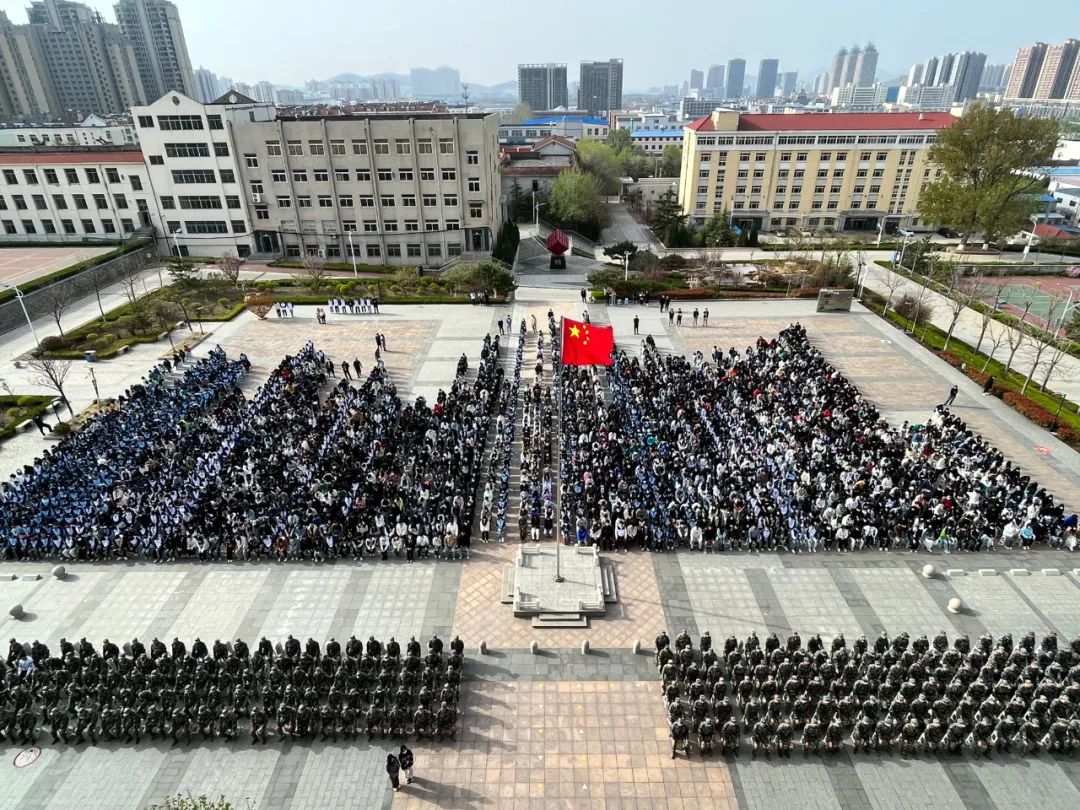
[[262, 212], [256, 187], [29, 226], [864, 156], [390, 226], [58, 201], [363, 175], [51, 178], [92, 176], [101, 201], [108, 226], [237, 226], [434, 251], [284, 202], [326, 201], [408, 200], [453, 225], [412, 225], [393, 250], [317, 147], [179, 122], [367, 201], [476, 209], [345, 201], [39, 202], [446, 146], [303, 201], [9, 226], [431, 226], [228, 176], [299, 176], [88, 226], [472, 157], [373, 250], [359, 147], [449, 174], [206, 226], [405, 174], [382, 146], [273, 148], [403, 147], [450, 199], [19, 201], [199, 202], [385, 174], [79, 200], [423, 146], [427, 174], [251, 161], [341, 174], [120, 201], [214, 122], [474, 184], [348, 225], [181, 176], [412, 250], [145, 122], [71, 176], [386, 200], [112, 175], [296, 148], [11, 180], [430, 200], [337, 147], [279, 176]]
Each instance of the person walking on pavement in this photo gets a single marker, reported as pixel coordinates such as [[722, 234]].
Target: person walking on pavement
[[678, 317], [358, 367], [988, 386], [637, 321], [345, 370], [951, 398], [393, 768], [696, 313], [405, 758], [705, 317], [583, 295], [42, 424]]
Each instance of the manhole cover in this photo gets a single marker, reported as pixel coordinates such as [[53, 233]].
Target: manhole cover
[[1043, 451], [28, 756]]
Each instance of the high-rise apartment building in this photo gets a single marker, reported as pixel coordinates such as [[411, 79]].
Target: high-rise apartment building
[[90, 63], [847, 171], [930, 73], [153, 28], [542, 87], [993, 78], [600, 86], [736, 78], [207, 85], [1057, 68], [836, 71], [915, 74], [866, 66], [788, 81], [264, 92], [766, 79], [851, 61], [697, 80], [966, 74], [1025, 71], [25, 88], [714, 82]]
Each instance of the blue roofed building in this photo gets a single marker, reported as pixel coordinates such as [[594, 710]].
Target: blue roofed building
[[561, 125]]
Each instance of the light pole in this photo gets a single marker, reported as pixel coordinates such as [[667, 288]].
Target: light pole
[[93, 379], [19, 296], [861, 279], [536, 213], [626, 266], [903, 249], [352, 255], [176, 242]]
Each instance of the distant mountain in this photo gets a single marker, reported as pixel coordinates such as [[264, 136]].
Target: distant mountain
[[476, 91], [353, 78]]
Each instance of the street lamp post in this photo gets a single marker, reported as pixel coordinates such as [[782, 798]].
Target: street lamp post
[[903, 249], [536, 213], [352, 255], [93, 379], [861, 278], [19, 296]]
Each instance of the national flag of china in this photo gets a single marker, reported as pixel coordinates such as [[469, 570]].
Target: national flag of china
[[586, 345]]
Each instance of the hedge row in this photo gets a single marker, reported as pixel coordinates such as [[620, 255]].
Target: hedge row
[[296, 264]]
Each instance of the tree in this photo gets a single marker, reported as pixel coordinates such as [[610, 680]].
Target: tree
[[666, 212], [1014, 339], [52, 374], [182, 271], [717, 231], [671, 161], [312, 271], [982, 289], [482, 277], [957, 298], [94, 277], [230, 267], [997, 334], [619, 139], [521, 112], [602, 162], [892, 281], [506, 244], [58, 298], [621, 251], [984, 157], [520, 204], [164, 314], [575, 198], [1037, 347]]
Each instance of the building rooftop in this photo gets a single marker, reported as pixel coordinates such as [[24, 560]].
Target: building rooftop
[[536, 165], [673, 134], [850, 122], [557, 119], [24, 156]]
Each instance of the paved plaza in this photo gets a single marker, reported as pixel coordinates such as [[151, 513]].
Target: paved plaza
[[561, 728]]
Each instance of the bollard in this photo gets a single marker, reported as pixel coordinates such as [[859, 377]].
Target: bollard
[[59, 572], [637, 647], [483, 648], [16, 611], [955, 605], [928, 571], [585, 647], [534, 648]]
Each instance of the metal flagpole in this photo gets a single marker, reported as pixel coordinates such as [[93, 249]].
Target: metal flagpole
[[560, 538]]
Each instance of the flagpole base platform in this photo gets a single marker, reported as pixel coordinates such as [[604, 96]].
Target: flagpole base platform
[[577, 584]]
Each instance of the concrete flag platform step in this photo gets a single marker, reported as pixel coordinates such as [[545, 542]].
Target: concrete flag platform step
[[560, 620]]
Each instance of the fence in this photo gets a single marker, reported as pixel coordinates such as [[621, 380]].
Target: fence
[[41, 303]]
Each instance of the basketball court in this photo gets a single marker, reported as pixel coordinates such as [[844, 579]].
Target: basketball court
[[1053, 299], [21, 264]]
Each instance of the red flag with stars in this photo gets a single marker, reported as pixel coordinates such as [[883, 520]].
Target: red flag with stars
[[584, 344]]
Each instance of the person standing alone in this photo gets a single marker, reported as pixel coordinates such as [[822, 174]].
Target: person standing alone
[[951, 398], [406, 760]]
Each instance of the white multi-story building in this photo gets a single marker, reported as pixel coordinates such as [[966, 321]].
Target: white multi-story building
[[74, 195], [191, 159], [852, 98], [394, 186], [92, 131]]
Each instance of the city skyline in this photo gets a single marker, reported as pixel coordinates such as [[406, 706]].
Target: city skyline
[[437, 31]]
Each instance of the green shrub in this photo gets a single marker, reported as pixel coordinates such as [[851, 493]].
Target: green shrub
[[54, 342], [28, 400], [61, 429]]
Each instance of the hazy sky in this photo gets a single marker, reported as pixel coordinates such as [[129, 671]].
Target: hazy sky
[[288, 41]]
